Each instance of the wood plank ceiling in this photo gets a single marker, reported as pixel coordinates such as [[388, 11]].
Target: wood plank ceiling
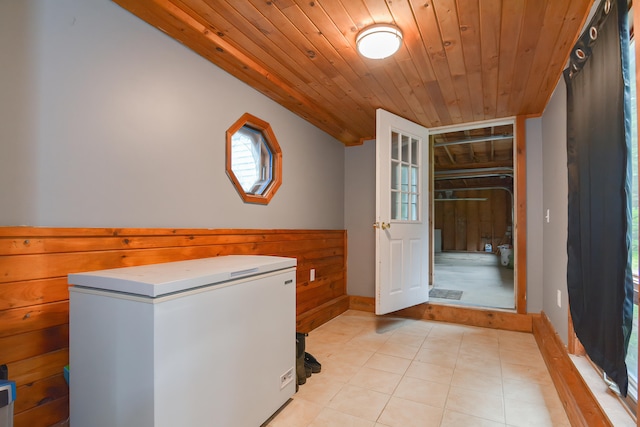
[[461, 61]]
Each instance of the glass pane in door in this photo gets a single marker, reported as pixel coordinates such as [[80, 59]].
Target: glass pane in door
[[405, 177], [395, 145]]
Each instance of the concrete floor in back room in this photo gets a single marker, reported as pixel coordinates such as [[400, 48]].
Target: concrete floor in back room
[[479, 275]]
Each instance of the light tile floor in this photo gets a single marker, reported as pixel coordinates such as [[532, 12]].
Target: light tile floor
[[382, 371]]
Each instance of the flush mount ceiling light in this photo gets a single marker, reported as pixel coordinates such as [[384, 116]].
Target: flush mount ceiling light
[[379, 41]]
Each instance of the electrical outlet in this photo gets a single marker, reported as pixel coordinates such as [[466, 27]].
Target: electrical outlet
[[286, 378], [559, 298], [548, 216], [312, 275]]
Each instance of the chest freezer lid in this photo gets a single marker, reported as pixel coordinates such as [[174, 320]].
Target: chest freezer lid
[[160, 279]]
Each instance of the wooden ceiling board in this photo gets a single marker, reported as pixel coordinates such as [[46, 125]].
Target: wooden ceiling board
[[341, 72], [530, 36], [317, 85], [469, 18], [461, 61], [236, 32], [537, 94], [426, 88], [423, 111], [432, 41], [213, 46], [379, 10], [512, 17], [316, 93], [490, 24], [352, 78], [447, 19], [374, 88]]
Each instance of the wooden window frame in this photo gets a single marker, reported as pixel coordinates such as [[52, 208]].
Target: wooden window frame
[[270, 138]]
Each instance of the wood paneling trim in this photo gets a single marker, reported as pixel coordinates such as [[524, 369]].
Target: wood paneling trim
[[31, 318], [317, 316], [30, 292], [30, 344], [41, 266], [46, 414], [34, 307], [574, 346], [447, 313], [40, 392], [63, 244], [36, 368], [581, 406], [19, 233]]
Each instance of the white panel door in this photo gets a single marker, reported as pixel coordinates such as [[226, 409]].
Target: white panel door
[[402, 216]]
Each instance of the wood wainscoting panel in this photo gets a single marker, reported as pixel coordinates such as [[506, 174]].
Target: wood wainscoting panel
[[34, 306], [485, 318]]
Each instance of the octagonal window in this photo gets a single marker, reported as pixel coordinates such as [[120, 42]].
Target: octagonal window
[[254, 159]]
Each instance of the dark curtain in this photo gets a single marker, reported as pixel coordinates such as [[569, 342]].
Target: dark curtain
[[599, 275]]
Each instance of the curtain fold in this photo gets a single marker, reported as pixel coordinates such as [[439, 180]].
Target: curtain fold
[[599, 276]]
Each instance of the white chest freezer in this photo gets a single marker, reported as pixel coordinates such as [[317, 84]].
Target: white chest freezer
[[207, 342]]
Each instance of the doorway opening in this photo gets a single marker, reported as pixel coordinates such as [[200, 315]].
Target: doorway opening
[[473, 216]]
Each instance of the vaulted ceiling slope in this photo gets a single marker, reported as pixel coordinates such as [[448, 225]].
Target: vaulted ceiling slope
[[461, 60]]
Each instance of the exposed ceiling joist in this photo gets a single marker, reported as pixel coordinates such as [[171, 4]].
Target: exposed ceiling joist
[[473, 140]]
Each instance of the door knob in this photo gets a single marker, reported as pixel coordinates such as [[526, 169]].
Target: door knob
[[383, 225]]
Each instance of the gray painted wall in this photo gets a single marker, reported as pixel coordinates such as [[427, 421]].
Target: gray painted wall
[[107, 122], [534, 215], [18, 166], [555, 196], [359, 216]]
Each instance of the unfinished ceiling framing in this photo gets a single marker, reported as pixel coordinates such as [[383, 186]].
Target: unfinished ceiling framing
[[475, 158]]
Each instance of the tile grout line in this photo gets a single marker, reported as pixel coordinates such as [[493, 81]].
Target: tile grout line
[[504, 400], [446, 400]]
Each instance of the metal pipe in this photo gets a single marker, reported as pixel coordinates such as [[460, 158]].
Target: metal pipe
[[474, 140], [473, 199], [443, 178], [505, 170], [508, 190], [474, 189], [472, 173]]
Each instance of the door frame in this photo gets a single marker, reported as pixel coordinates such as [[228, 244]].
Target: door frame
[[519, 202]]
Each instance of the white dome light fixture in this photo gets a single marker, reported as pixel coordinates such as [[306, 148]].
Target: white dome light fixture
[[379, 41]]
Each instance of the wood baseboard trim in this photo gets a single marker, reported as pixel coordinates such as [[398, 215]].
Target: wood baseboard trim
[[362, 304], [580, 404], [311, 319], [485, 318]]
